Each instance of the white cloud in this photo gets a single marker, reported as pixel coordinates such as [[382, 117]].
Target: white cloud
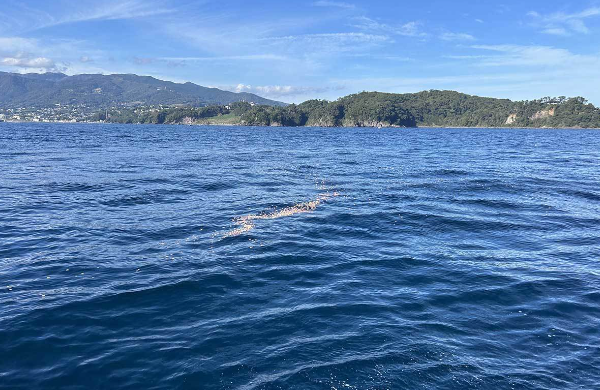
[[564, 24], [319, 45], [448, 36], [143, 60], [283, 91], [19, 53], [184, 61], [410, 29], [67, 56], [11, 45], [251, 57], [288, 54], [20, 17], [392, 58], [233, 34], [133, 9], [465, 57], [337, 37], [37, 63], [538, 56], [336, 4], [531, 83], [522, 72], [556, 31]]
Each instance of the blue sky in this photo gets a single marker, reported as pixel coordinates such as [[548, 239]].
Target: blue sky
[[298, 50]]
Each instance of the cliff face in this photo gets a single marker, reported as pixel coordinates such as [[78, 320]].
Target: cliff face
[[544, 114], [368, 123], [512, 118], [539, 115], [321, 122]]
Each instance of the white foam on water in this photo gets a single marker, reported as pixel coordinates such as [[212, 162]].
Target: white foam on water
[[247, 222]]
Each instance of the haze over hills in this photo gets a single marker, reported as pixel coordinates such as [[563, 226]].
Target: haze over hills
[[102, 91]]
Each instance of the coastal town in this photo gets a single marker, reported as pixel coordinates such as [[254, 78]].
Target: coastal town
[[69, 113], [55, 113]]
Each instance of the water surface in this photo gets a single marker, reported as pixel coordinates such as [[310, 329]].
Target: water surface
[[447, 258]]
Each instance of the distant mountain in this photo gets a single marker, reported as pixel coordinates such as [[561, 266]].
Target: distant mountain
[[100, 91]]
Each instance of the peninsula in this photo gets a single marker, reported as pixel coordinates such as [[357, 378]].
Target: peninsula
[[375, 109]]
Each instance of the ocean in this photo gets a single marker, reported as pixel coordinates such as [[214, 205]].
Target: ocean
[[175, 257]]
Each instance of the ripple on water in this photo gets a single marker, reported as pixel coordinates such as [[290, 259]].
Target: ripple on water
[[451, 259]]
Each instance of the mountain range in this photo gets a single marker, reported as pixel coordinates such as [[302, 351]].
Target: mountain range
[[102, 91]]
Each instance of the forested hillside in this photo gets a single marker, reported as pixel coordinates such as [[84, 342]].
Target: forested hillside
[[105, 91], [374, 109]]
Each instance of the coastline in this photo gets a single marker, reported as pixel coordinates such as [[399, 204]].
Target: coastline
[[314, 127]]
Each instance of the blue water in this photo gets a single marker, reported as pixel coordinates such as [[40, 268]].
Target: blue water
[[432, 258]]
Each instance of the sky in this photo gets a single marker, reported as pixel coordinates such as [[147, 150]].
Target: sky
[[293, 51]]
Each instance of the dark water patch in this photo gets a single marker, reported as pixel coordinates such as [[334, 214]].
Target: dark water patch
[[58, 159], [33, 241], [159, 196], [214, 186], [272, 184], [16, 154], [450, 173], [580, 240], [199, 159], [76, 187], [591, 196], [150, 180], [504, 205], [307, 167], [447, 223], [174, 232]]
